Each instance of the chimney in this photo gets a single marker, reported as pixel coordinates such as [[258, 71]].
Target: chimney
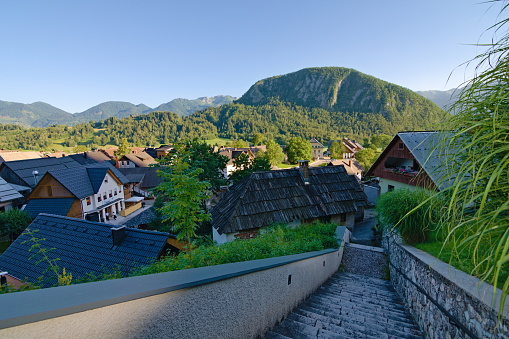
[[304, 170], [118, 235]]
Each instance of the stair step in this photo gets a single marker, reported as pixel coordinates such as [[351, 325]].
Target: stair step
[[349, 306]]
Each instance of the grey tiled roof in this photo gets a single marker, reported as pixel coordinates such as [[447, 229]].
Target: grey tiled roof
[[7, 192], [264, 198], [81, 247], [146, 176], [144, 217], [25, 168], [58, 206], [80, 157]]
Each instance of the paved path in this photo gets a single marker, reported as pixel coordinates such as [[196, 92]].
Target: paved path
[[363, 230]]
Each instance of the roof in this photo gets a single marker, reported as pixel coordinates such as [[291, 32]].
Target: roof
[[141, 159], [422, 145], [265, 198], [352, 166], [7, 192], [85, 181], [81, 247], [146, 176], [144, 217], [83, 159], [314, 141], [58, 206], [8, 155], [25, 168]]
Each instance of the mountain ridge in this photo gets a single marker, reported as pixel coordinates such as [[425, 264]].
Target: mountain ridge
[[41, 114]]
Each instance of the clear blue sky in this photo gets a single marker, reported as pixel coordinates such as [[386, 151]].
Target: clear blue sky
[[77, 54]]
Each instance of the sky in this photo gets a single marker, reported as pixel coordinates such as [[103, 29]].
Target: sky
[[77, 54]]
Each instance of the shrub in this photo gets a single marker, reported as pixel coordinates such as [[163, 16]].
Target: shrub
[[413, 213], [274, 241]]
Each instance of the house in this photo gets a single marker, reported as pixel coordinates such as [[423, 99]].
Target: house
[[291, 196], [142, 179], [93, 192], [9, 196], [29, 172], [82, 247], [317, 148], [352, 147], [140, 159], [410, 160], [163, 151], [352, 167], [90, 157]]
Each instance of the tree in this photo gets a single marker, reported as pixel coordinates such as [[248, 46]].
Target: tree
[[366, 157], [245, 166], [380, 141], [201, 155], [258, 139], [123, 148], [13, 222], [80, 149], [335, 150], [182, 196], [274, 153], [298, 149]]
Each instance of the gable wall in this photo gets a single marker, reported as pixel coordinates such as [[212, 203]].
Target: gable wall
[[49, 187]]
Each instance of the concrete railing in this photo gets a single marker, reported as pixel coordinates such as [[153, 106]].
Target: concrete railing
[[238, 300], [446, 302]]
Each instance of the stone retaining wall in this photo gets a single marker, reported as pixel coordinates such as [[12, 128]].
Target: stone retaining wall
[[468, 299]]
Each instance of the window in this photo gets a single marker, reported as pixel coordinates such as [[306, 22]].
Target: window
[[99, 199], [106, 179], [110, 194], [390, 188], [89, 201], [104, 196], [115, 193], [401, 146]]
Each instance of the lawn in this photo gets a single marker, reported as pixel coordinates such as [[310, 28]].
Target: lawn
[[217, 141]]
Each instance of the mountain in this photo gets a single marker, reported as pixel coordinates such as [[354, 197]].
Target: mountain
[[326, 102], [35, 114], [40, 114], [443, 99], [109, 109], [185, 107]]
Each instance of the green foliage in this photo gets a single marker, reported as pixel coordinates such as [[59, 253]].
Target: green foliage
[[274, 153], [477, 216], [123, 148], [258, 139], [335, 150], [13, 222], [275, 241], [366, 157], [380, 141], [298, 149], [245, 166], [411, 212], [181, 195]]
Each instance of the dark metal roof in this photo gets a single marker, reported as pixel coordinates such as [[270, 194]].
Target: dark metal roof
[[265, 198], [7, 192], [144, 217], [24, 168], [81, 247], [146, 176], [84, 181], [58, 206], [80, 157]]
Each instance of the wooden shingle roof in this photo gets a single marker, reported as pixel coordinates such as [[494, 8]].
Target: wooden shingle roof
[[265, 198]]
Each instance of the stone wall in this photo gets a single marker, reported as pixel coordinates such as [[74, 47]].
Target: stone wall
[[468, 299]]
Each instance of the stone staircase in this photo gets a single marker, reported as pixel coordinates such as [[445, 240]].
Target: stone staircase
[[350, 305]]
